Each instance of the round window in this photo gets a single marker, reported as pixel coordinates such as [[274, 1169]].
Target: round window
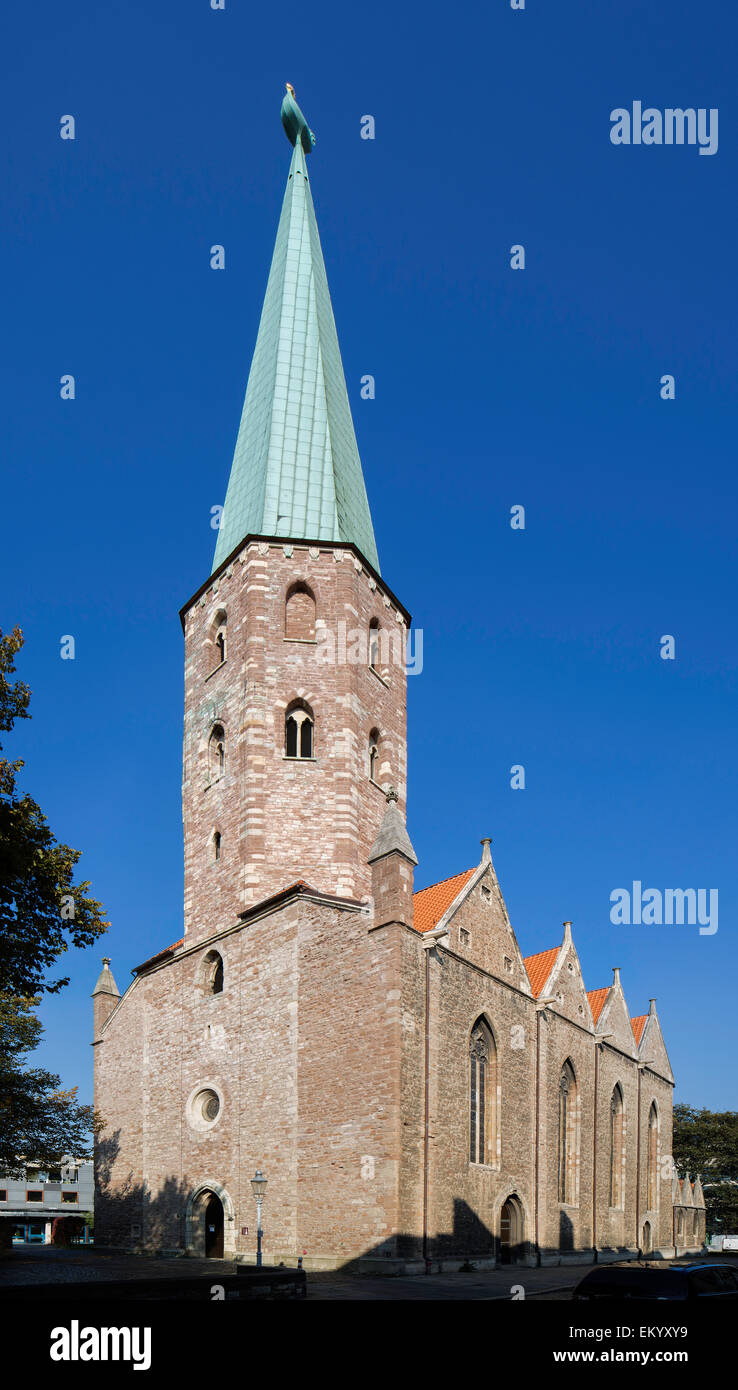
[[208, 1104], [204, 1108]]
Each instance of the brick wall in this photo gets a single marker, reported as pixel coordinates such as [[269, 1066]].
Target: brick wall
[[284, 819]]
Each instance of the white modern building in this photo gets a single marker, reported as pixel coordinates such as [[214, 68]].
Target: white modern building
[[33, 1202]]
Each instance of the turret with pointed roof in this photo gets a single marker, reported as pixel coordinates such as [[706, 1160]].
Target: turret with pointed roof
[[296, 470]]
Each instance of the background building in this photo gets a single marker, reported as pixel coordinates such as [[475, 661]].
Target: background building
[[31, 1204]]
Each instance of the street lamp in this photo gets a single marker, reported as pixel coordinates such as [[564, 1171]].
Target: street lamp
[[258, 1187]]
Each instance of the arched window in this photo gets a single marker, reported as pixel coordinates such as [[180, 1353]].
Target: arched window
[[374, 755], [374, 644], [217, 843], [299, 614], [216, 752], [218, 632], [653, 1158], [616, 1148], [482, 1095], [212, 973], [568, 1134], [299, 731]]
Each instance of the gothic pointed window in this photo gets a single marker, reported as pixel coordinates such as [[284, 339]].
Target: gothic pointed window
[[482, 1095], [653, 1158], [216, 752], [299, 614], [299, 731], [568, 1134], [616, 1147]]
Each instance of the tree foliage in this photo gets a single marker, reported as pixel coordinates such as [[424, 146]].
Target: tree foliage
[[706, 1142], [38, 1120], [42, 913], [42, 910]]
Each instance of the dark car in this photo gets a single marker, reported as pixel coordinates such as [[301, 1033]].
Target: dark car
[[670, 1283]]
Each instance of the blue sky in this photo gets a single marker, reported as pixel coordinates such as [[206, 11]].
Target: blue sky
[[493, 388]]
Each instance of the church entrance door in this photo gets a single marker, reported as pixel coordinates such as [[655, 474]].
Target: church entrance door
[[511, 1231], [214, 1228]]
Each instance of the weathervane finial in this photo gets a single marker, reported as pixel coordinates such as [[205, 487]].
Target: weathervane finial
[[295, 125]]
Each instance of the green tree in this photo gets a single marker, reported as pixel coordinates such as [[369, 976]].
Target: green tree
[[42, 910], [42, 913], [38, 1120], [706, 1142]]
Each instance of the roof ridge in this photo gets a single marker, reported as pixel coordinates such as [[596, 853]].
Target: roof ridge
[[441, 881], [544, 952]]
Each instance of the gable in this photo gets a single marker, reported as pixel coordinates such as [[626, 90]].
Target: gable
[[566, 985], [615, 1018], [652, 1049], [473, 909]]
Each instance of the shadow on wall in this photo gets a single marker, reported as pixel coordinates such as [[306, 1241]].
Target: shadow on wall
[[566, 1233], [128, 1215], [181, 1215]]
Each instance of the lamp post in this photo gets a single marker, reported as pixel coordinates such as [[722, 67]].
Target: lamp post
[[258, 1187]]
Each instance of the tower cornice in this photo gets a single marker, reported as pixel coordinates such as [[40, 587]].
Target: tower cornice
[[301, 543]]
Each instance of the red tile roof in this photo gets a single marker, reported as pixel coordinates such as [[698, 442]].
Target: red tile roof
[[539, 968], [597, 999], [159, 956], [431, 903], [638, 1024]]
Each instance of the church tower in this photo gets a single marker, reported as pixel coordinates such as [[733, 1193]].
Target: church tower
[[295, 688]]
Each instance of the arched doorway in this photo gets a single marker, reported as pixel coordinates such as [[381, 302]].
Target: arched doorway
[[511, 1231], [213, 1227], [206, 1223], [647, 1242]]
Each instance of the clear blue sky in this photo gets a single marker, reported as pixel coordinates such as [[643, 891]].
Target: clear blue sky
[[493, 388]]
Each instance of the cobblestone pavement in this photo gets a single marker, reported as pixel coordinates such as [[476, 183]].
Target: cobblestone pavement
[[46, 1265]]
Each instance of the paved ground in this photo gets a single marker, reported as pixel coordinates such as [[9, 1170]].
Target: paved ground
[[47, 1264]]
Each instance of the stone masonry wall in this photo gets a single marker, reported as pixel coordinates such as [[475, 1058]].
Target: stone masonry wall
[[284, 819]]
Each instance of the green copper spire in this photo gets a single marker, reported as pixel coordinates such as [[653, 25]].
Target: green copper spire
[[296, 469]]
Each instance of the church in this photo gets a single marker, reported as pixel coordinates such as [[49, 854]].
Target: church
[[414, 1090]]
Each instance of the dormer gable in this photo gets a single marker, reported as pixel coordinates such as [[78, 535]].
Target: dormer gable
[[613, 1018]]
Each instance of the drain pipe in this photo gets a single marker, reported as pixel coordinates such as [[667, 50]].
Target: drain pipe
[[431, 939]]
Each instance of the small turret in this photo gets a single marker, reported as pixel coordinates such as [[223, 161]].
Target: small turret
[[393, 861], [105, 996]]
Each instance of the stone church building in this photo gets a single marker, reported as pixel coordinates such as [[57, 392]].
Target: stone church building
[[411, 1086]]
